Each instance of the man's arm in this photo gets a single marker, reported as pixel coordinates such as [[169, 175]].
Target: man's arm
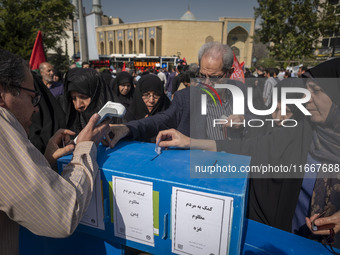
[[37, 197], [174, 138]]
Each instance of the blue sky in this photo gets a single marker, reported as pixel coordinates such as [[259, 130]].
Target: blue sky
[[134, 11]]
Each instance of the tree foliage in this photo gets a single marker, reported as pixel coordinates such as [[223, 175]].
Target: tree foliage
[[20, 21], [293, 28]]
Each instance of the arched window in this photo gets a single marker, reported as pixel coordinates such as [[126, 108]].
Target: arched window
[[237, 39], [152, 47], [111, 47], [130, 47], [141, 46], [120, 47]]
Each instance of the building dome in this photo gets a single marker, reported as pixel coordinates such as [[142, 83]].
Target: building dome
[[188, 16]]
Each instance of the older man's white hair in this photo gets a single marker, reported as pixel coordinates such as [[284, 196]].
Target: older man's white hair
[[216, 50]]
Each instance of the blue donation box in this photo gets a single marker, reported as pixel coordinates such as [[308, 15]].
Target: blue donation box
[[180, 202]]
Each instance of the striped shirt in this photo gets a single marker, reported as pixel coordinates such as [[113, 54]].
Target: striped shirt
[[35, 196], [216, 111]]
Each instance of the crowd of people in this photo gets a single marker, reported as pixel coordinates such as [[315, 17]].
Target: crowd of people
[[40, 113]]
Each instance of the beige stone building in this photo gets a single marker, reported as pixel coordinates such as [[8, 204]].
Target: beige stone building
[[181, 38]]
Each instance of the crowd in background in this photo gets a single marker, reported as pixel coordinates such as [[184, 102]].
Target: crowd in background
[[159, 100]]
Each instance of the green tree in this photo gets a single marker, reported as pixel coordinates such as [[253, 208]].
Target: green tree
[[20, 21], [60, 60], [292, 28]]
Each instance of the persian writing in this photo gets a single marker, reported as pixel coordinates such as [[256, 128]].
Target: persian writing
[[206, 208], [132, 192]]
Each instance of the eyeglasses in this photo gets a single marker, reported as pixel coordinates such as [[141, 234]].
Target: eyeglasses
[[205, 76], [149, 95], [35, 99]]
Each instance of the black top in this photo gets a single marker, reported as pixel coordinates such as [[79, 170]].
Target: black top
[[122, 78], [48, 120], [138, 109]]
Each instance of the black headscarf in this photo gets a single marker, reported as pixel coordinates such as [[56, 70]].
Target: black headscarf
[[138, 109], [48, 120], [90, 83], [107, 76], [326, 137], [122, 78], [326, 142]]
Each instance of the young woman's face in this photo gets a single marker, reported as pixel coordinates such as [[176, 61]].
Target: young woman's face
[[80, 101], [124, 89], [278, 114], [319, 104], [150, 99]]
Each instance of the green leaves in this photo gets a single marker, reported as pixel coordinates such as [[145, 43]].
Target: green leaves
[[292, 28], [21, 19]]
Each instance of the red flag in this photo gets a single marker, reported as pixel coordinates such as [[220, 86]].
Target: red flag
[[124, 68], [38, 54], [238, 73]]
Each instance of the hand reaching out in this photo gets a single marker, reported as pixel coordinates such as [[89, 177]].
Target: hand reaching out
[[173, 138]]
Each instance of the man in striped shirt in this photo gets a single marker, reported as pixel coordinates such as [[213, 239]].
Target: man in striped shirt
[[31, 193]]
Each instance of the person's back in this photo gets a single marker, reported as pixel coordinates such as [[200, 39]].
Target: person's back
[[268, 87], [48, 120], [177, 79], [168, 86], [161, 75]]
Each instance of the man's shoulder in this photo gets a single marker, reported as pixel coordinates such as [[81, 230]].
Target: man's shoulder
[[181, 96]]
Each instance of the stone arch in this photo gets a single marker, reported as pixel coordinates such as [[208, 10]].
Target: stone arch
[[209, 39], [130, 47], [141, 46], [120, 47], [237, 39], [111, 47], [152, 47]]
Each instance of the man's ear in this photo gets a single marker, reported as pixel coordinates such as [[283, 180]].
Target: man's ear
[[2, 97]]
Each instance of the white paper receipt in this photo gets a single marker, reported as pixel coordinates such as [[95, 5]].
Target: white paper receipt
[[133, 210], [201, 222]]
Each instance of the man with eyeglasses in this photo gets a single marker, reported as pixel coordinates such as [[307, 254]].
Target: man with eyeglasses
[[32, 194], [215, 61]]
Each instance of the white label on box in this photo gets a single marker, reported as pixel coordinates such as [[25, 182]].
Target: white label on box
[[94, 215], [201, 222], [133, 210]]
